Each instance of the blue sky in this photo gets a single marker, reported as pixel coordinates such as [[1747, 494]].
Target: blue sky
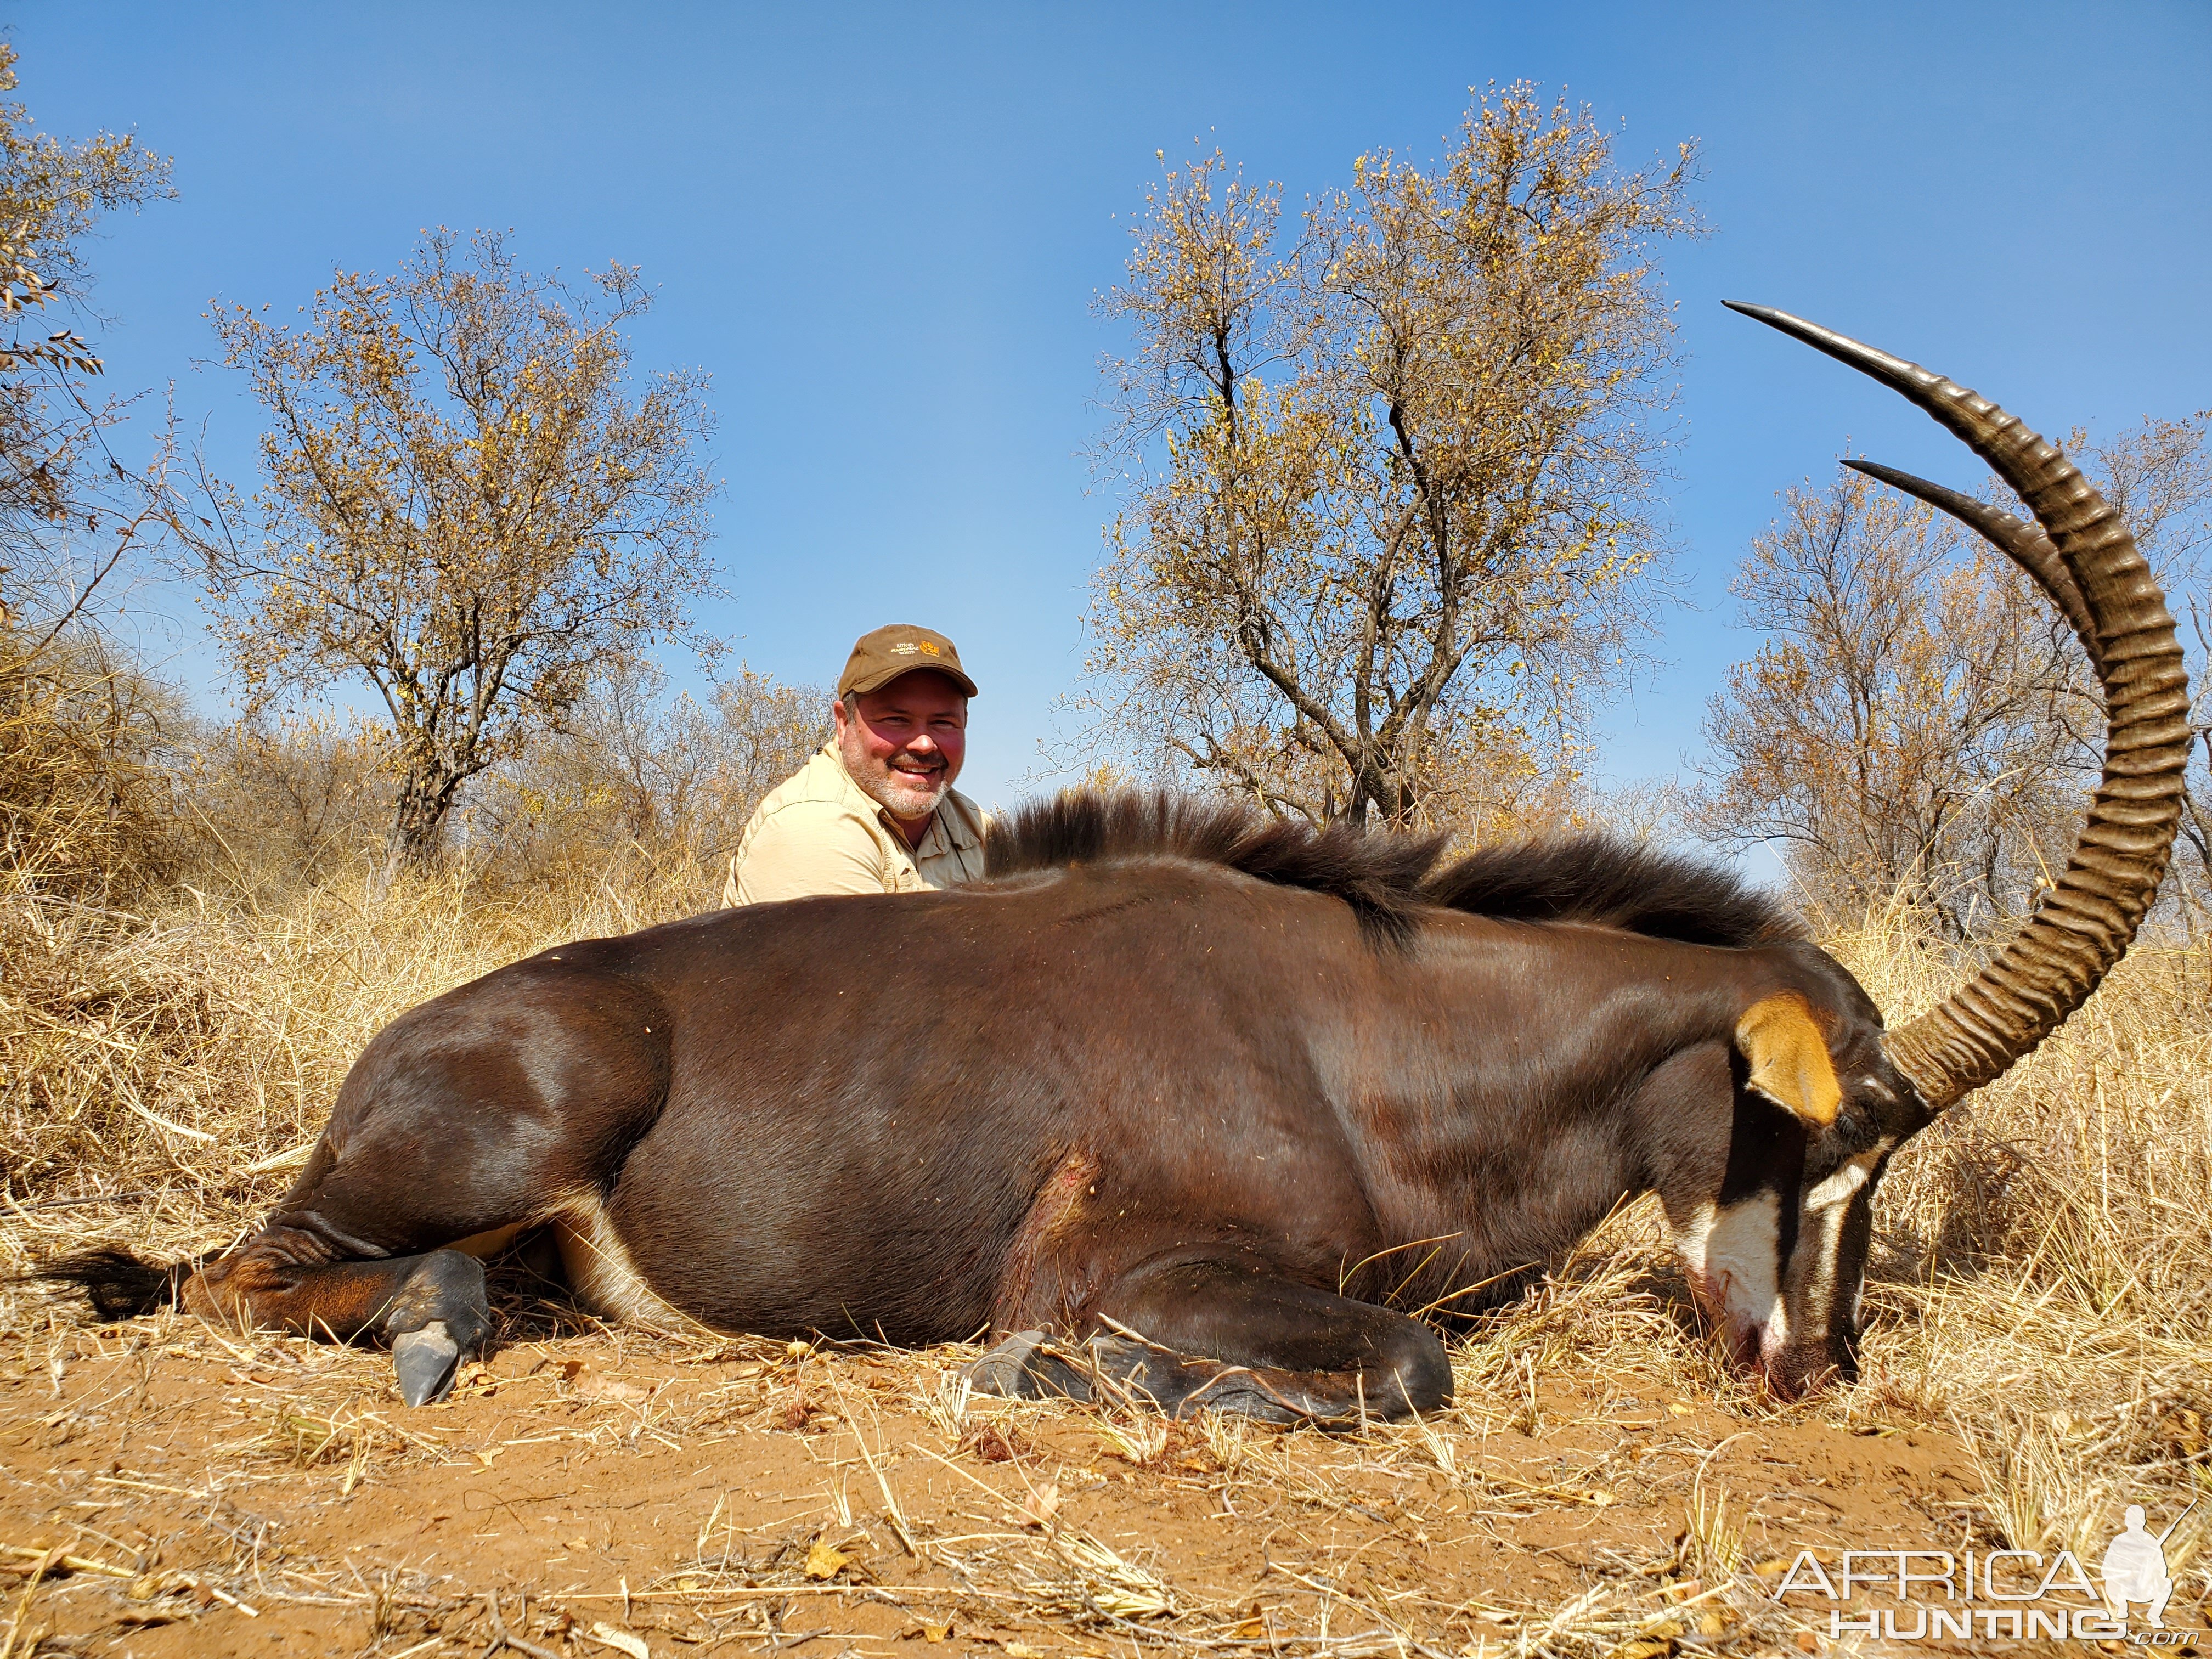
[[881, 228]]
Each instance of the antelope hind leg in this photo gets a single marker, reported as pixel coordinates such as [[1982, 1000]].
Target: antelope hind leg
[[431, 1308], [1216, 1335], [449, 1135]]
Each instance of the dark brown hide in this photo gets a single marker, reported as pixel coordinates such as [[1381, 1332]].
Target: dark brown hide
[[1147, 1091]]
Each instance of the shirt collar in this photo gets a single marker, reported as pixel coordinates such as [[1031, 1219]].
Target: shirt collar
[[943, 834]]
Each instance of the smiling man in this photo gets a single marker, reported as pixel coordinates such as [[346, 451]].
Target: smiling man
[[875, 812]]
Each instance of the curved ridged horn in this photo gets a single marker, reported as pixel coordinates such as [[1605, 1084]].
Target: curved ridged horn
[[2083, 925], [2024, 543]]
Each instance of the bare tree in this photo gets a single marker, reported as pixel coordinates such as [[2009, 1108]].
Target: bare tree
[[1902, 726], [1391, 504], [765, 731], [462, 504], [2196, 815], [281, 803]]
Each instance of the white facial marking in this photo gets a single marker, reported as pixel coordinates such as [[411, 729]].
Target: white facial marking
[[1821, 1234], [1818, 1254], [1847, 1180], [1730, 1254], [1690, 1239]]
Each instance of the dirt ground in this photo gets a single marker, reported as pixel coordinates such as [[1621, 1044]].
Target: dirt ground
[[167, 1489]]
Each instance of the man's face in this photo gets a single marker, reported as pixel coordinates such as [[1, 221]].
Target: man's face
[[904, 743]]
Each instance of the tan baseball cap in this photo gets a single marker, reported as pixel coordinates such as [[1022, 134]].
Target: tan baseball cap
[[880, 657]]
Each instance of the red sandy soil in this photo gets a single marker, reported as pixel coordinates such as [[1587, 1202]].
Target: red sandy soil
[[596, 1491]]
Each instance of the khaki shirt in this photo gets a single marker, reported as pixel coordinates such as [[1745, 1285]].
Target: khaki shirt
[[818, 832]]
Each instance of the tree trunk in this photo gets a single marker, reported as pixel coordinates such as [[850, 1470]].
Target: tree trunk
[[419, 821]]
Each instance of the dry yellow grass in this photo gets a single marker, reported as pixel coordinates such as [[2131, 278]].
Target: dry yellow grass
[[189, 1047], [2042, 1285], [2046, 1282]]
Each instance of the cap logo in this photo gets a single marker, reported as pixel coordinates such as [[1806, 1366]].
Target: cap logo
[[907, 648]]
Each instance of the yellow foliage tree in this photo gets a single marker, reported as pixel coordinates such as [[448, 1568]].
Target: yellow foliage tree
[[69, 508], [1391, 504], [83, 807], [462, 504]]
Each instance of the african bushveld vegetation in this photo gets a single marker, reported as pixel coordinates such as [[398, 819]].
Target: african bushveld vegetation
[[1353, 577]]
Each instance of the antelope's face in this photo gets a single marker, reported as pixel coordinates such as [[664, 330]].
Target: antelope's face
[[1776, 1237], [1779, 1241]]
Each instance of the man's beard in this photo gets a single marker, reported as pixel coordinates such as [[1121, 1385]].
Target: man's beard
[[903, 794]]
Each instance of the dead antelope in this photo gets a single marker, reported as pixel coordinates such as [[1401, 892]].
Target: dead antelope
[[1179, 1095]]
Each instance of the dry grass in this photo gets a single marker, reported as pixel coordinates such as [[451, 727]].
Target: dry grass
[[2042, 1288], [83, 796], [2044, 1281], [187, 1049]]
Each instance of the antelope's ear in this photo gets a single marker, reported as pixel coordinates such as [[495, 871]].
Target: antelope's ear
[[1788, 1058]]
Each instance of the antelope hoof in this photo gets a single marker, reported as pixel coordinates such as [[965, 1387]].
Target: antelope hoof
[[426, 1360], [1027, 1366]]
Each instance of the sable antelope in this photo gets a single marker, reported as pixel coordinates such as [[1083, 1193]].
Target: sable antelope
[[1170, 1087]]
